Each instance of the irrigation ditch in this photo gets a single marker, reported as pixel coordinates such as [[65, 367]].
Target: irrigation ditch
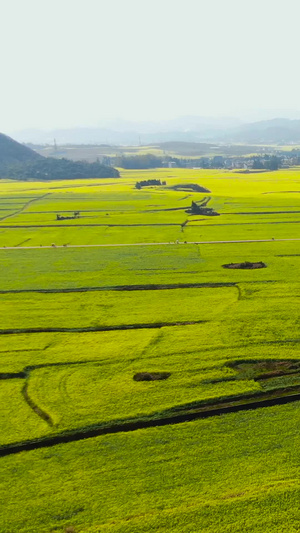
[[154, 325], [225, 406], [144, 287]]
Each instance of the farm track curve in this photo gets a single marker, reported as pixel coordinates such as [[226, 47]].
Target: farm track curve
[[38, 410], [171, 417], [25, 206]]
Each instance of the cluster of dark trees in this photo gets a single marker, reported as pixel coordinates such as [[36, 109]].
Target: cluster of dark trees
[[209, 162], [267, 162], [148, 183], [189, 187], [202, 209], [151, 161], [70, 217], [138, 161], [58, 169]]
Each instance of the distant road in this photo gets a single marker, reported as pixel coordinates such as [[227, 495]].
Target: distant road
[[142, 244]]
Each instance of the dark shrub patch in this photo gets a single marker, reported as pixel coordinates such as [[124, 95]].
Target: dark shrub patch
[[246, 265], [151, 376]]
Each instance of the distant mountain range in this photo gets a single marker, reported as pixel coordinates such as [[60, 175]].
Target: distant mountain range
[[277, 130], [185, 129]]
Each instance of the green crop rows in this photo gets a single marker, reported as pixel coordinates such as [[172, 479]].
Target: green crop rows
[[79, 322]]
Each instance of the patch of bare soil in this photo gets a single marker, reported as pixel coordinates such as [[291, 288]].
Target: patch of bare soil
[[189, 187], [246, 265], [259, 370], [151, 376], [266, 369]]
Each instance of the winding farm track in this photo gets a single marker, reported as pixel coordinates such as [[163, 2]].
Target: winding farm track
[[24, 206], [241, 241]]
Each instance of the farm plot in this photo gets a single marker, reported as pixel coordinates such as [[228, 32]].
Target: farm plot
[[75, 382], [115, 212], [100, 309], [95, 267], [17, 419], [79, 395], [113, 266]]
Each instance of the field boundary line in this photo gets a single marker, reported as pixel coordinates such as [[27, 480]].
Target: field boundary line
[[154, 325], [121, 288]]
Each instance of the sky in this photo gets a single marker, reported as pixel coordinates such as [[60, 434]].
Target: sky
[[70, 63]]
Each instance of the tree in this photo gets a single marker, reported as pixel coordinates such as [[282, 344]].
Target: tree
[[217, 162], [273, 163], [139, 161], [257, 163], [195, 209]]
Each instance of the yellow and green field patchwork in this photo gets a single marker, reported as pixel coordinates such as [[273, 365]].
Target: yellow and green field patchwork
[[150, 328]]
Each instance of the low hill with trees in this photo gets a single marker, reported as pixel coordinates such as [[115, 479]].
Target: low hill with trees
[[21, 163], [60, 169]]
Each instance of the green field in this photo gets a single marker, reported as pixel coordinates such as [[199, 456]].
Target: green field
[[136, 285]]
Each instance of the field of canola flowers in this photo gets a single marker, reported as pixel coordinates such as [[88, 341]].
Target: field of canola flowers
[[85, 447]]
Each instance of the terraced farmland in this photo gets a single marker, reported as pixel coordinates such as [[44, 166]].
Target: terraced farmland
[[86, 447]]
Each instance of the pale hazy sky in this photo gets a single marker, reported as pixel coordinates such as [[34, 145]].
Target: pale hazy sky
[[68, 63]]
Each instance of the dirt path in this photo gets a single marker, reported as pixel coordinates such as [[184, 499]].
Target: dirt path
[[25, 206], [240, 241]]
